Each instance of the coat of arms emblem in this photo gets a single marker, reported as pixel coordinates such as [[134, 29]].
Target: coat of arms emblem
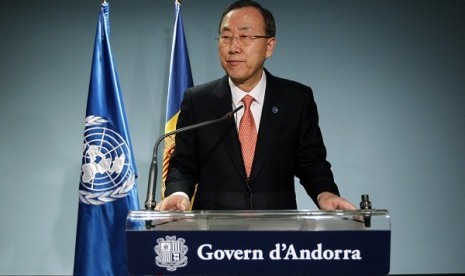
[[171, 253]]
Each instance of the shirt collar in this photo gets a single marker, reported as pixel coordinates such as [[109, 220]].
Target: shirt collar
[[258, 92]]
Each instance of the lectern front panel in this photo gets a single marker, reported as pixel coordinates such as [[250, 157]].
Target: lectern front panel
[[258, 243]]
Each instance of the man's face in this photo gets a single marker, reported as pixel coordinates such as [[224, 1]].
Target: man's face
[[244, 64]]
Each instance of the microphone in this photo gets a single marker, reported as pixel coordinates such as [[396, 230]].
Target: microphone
[[150, 202]]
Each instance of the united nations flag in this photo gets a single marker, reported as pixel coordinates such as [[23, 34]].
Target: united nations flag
[[107, 188]]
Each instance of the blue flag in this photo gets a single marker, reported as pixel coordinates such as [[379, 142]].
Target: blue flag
[[107, 190], [180, 78]]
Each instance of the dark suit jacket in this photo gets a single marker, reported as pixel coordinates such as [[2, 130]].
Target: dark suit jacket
[[289, 144]]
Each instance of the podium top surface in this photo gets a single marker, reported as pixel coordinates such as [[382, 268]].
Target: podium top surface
[[259, 220]]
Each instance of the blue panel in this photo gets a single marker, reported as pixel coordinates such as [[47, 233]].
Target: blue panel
[[260, 252]]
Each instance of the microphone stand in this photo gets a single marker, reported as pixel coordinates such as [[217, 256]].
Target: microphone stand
[[150, 202]]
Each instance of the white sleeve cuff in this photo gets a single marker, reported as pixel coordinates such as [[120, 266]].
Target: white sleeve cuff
[[181, 194]]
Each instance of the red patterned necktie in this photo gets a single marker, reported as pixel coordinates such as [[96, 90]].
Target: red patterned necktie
[[247, 134]]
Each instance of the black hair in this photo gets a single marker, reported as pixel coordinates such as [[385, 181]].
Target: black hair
[[270, 25]]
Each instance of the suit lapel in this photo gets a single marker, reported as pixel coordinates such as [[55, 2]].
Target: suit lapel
[[268, 124], [221, 104]]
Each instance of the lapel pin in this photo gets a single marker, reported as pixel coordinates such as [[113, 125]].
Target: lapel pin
[[274, 109]]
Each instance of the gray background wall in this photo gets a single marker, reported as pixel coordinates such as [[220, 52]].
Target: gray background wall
[[388, 78]]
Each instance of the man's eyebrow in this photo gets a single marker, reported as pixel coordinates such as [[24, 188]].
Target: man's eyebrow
[[226, 29], [245, 28]]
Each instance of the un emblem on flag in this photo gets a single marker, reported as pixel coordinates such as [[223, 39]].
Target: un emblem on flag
[[106, 173], [171, 253]]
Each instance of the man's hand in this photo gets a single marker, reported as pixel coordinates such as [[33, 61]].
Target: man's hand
[[329, 202], [173, 203]]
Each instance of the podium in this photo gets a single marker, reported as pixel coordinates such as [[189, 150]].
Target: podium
[[281, 242]]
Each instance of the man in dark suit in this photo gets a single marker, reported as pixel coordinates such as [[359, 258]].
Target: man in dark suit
[[241, 169]]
